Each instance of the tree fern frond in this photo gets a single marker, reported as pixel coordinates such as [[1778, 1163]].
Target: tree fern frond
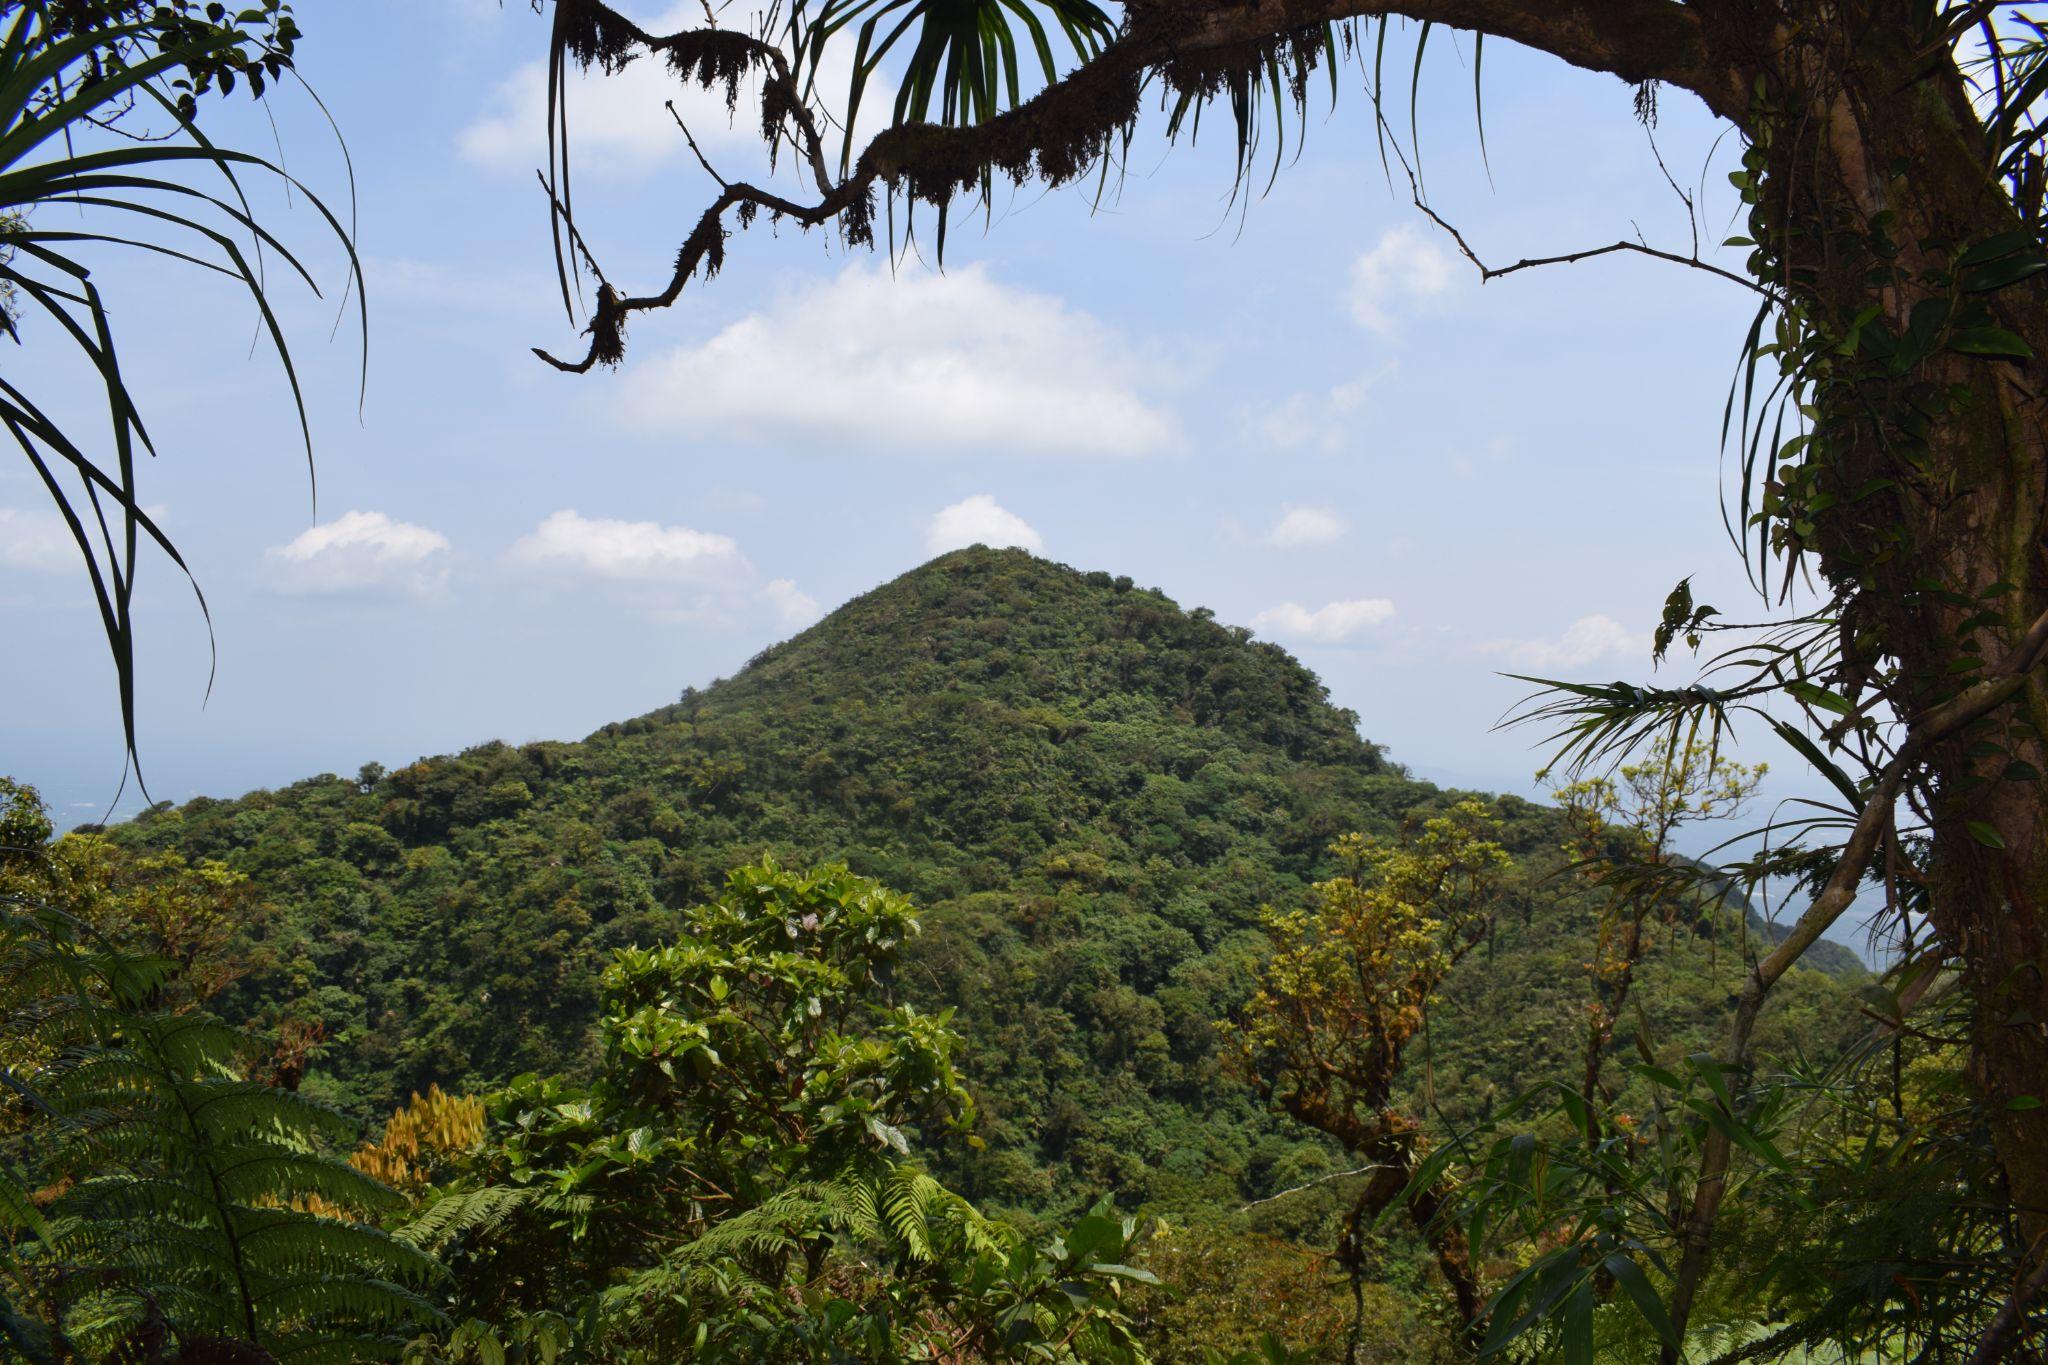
[[18, 1212], [249, 1173], [288, 1241], [360, 1299], [907, 1197], [464, 1213], [179, 1175]]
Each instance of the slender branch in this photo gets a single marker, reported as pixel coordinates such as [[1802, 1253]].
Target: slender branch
[[1319, 1180], [1991, 1346], [575, 237], [695, 150], [1489, 272], [1060, 133]]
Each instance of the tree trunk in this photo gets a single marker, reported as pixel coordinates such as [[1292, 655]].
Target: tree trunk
[[1938, 476], [1393, 1154]]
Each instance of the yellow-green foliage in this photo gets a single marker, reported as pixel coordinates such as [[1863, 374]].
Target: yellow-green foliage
[[1353, 975], [1222, 1290], [428, 1132]]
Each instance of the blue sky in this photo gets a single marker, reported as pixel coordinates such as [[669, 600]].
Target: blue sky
[[1308, 416]]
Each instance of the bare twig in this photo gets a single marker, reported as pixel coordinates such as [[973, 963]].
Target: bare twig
[[696, 151], [1319, 1180], [575, 237], [1489, 272]]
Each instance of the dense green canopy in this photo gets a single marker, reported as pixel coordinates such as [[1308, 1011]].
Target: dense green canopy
[[1087, 790]]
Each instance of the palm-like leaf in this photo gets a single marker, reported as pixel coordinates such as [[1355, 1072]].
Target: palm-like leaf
[[963, 62], [67, 73]]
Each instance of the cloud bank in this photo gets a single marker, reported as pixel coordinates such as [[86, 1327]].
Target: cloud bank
[[570, 544], [1326, 625], [1301, 526], [1585, 641], [954, 364]]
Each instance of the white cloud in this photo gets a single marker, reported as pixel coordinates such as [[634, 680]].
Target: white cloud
[[36, 540], [1326, 625], [1300, 526], [618, 124], [1585, 641], [1403, 270], [979, 520], [793, 609], [954, 364], [625, 551], [360, 552], [674, 574], [1320, 420]]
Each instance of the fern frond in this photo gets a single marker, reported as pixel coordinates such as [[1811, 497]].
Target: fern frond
[[18, 1212], [254, 1173], [357, 1299], [184, 1180], [464, 1213]]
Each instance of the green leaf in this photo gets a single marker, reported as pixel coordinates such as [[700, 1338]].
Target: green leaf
[[1813, 694], [1637, 1286], [1578, 1326], [1822, 764], [1985, 834], [1994, 342], [1993, 248], [1999, 274]]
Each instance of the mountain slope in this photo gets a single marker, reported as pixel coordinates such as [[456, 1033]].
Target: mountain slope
[[1089, 790]]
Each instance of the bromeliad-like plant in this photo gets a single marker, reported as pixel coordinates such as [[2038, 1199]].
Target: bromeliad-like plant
[[99, 104]]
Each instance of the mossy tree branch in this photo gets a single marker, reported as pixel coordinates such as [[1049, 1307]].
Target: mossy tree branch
[[1061, 133]]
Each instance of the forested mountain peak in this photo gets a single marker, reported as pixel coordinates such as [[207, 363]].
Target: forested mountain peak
[[1007, 626]]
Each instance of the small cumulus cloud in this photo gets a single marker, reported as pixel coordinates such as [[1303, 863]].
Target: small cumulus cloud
[[979, 520], [1405, 270], [1322, 421], [1585, 641], [618, 121], [366, 553], [792, 609], [569, 543], [675, 574], [1300, 526], [1326, 625], [955, 364], [37, 541]]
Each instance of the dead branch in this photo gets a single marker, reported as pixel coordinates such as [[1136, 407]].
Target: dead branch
[[1488, 272]]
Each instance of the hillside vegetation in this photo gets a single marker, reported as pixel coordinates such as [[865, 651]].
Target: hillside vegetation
[[1088, 791]]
